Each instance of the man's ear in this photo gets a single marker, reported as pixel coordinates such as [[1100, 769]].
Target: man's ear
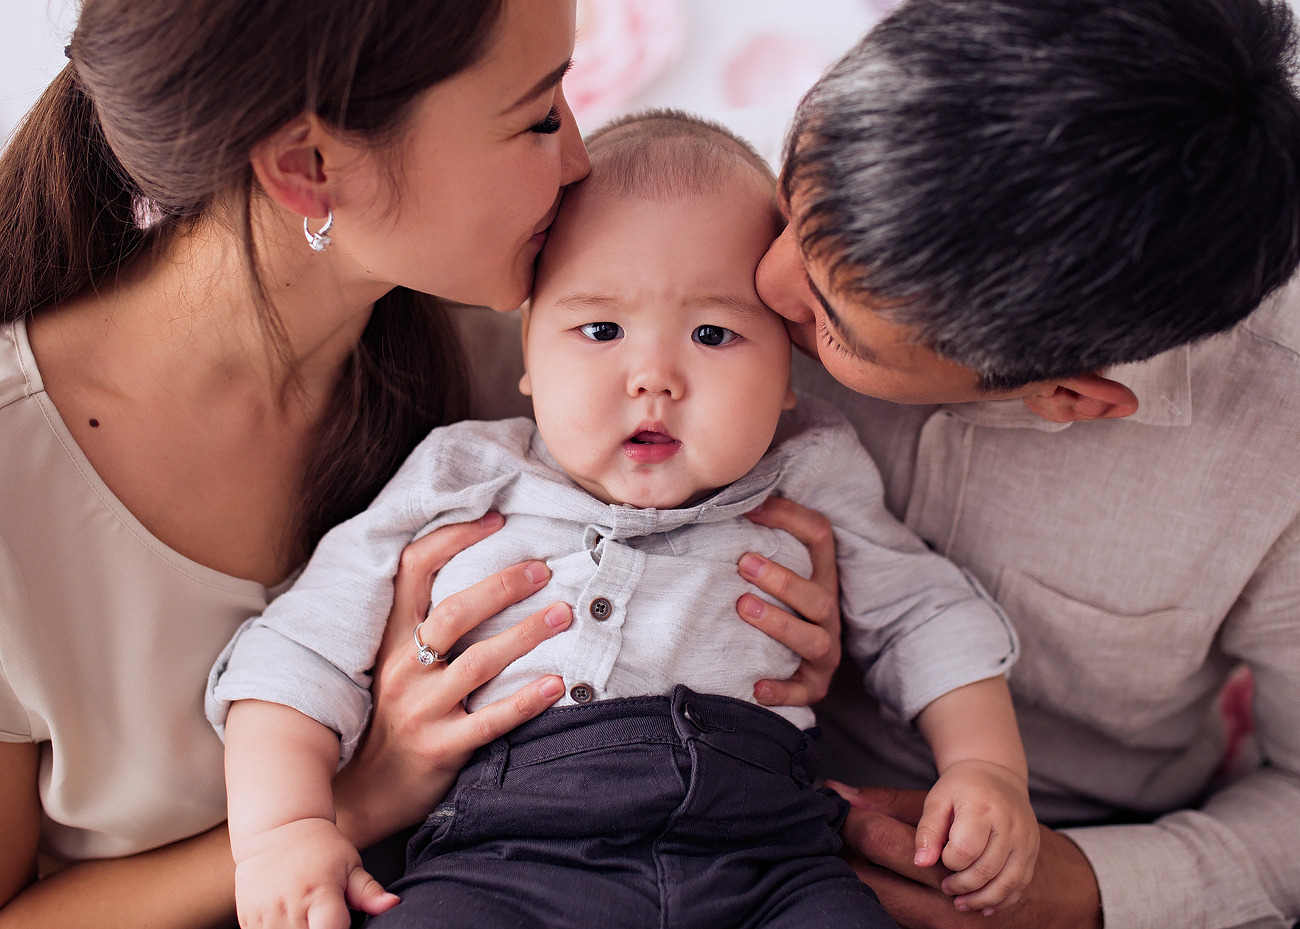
[[1080, 399], [289, 166]]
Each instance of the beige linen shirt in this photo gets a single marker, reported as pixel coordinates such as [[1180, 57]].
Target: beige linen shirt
[[1140, 561], [106, 637]]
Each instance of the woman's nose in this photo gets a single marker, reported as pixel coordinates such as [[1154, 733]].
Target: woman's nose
[[574, 163], [781, 280]]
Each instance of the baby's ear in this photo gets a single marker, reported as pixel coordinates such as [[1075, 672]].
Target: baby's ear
[[525, 385], [790, 399]]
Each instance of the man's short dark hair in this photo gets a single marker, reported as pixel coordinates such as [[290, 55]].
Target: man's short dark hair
[[1043, 188]]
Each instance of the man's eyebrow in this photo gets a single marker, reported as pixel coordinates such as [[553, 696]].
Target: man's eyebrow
[[545, 84], [862, 351]]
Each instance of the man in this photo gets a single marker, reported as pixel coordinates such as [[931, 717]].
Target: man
[[1065, 211]]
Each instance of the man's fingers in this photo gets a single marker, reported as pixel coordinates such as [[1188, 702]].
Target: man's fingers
[[792, 692], [808, 640], [904, 805], [809, 527], [889, 843], [812, 600], [912, 905]]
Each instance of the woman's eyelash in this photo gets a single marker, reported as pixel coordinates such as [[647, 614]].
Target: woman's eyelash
[[550, 125]]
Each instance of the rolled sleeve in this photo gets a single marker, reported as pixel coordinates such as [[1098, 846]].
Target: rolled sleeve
[[1187, 869], [261, 664], [963, 642]]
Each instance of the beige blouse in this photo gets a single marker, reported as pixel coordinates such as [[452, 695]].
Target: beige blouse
[[106, 638]]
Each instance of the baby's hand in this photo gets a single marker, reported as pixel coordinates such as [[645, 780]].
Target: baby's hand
[[977, 820], [304, 875]]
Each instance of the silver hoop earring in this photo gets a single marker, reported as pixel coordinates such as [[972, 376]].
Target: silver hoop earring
[[318, 240]]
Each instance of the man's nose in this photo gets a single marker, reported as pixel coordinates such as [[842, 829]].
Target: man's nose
[[781, 280]]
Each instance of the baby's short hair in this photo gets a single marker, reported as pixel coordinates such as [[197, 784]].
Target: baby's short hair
[[665, 153]]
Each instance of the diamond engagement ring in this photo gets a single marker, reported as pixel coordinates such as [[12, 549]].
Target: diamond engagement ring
[[426, 655]]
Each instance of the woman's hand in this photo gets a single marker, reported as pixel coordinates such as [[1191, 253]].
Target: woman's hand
[[420, 735], [811, 626]]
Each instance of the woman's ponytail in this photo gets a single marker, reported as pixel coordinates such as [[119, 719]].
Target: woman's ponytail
[[67, 209]]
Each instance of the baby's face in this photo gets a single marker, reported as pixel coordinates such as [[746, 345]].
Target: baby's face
[[657, 375]]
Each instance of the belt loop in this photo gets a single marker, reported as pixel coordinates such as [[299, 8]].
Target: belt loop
[[493, 772]]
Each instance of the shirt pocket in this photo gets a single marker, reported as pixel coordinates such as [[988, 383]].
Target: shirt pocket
[[1119, 673]]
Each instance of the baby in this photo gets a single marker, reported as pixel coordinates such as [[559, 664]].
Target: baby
[[657, 791]]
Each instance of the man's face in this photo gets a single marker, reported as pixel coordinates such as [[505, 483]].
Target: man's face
[[657, 375], [859, 347]]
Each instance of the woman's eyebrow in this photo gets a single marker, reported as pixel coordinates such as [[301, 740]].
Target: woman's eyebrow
[[545, 84]]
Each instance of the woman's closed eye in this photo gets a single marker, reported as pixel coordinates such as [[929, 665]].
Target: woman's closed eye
[[713, 335], [601, 332], [550, 125]]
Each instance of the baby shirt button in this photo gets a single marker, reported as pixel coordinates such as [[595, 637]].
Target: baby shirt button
[[600, 609], [582, 693]]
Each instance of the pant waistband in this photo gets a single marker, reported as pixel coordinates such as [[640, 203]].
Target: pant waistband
[[743, 730]]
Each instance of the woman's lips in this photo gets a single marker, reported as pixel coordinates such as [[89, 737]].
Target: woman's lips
[[650, 447]]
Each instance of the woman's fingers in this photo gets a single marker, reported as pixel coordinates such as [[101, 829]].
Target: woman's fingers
[[501, 716], [459, 613], [425, 557], [484, 660]]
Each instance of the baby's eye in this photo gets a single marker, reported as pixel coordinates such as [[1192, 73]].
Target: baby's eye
[[713, 335], [602, 332]]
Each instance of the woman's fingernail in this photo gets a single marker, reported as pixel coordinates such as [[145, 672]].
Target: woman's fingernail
[[551, 687], [557, 616], [751, 606], [537, 572], [491, 520], [752, 566]]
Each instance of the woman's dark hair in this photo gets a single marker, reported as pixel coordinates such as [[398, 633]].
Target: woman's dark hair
[[1043, 188], [150, 124]]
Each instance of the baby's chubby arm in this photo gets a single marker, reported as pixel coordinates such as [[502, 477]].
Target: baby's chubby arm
[[977, 819], [293, 867]]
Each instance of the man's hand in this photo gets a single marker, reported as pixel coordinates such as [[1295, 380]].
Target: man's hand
[[880, 844]]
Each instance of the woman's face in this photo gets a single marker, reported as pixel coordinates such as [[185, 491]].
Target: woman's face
[[461, 208]]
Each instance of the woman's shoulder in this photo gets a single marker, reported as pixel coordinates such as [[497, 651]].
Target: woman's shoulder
[[18, 377]]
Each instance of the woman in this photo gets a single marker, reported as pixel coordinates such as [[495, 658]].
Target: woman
[[220, 223]]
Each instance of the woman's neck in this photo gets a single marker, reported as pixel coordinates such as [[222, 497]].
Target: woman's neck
[[191, 320]]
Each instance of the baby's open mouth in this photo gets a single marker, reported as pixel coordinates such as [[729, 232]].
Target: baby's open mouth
[[651, 438], [650, 446]]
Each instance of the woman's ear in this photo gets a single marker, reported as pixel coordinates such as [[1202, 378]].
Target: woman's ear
[[290, 168], [1080, 399]]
